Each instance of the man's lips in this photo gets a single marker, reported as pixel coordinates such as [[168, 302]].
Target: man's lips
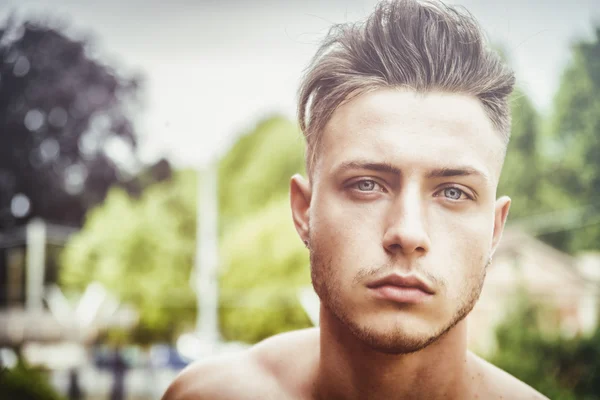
[[401, 288], [402, 281]]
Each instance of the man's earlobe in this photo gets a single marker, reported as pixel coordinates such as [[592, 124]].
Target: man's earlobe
[[300, 195], [500, 216]]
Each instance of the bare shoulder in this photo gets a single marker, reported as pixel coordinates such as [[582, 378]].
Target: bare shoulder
[[261, 372], [495, 383], [290, 357], [223, 377]]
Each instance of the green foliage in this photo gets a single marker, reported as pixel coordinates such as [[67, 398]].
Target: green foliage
[[526, 175], [575, 127], [262, 260], [553, 164], [521, 171], [560, 368], [264, 265], [258, 168], [142, 250], [25, 383]]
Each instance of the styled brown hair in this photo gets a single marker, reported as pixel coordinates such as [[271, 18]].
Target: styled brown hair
[[419, 45]]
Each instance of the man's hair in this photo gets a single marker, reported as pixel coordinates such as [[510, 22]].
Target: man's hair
[[419, 45]]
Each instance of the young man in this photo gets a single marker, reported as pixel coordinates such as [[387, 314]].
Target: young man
[[406, 121]]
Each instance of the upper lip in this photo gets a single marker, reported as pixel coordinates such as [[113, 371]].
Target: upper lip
[[407, 281]]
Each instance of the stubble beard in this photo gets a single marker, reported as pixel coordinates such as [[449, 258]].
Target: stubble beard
[[395, 341]]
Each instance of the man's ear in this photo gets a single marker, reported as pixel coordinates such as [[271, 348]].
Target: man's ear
[[500, 215], [300, 195]]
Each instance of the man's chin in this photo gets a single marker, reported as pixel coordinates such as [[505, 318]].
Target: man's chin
[[404, 334], [395, 341], [393, 333]]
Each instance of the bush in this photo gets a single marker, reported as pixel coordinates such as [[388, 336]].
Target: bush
[[26, 383], [562, 369]]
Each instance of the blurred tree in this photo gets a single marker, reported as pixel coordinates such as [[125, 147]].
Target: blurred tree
[[575, 146], [527, 175], [65, 133], [562, 369], [142, 250], [258, 168], [263, 263], [26, 383], [147, 261], [522, 167]]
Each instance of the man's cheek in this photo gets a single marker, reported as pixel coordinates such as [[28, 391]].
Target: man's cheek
[[470, 231], [343, 227]]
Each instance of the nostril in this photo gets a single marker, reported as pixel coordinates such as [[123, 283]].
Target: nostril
[[393, 248], [397, 248]]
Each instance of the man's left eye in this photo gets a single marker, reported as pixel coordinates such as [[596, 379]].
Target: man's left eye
[[366, 185], [453, 193]]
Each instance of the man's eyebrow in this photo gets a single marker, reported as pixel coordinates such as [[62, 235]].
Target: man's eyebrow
[[372, 166], [456, 171], [445, 172]]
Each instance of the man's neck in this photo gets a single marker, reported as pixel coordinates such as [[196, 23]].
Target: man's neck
[[349, 369]]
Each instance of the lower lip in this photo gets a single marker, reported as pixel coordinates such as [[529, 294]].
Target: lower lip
[[406, 295]]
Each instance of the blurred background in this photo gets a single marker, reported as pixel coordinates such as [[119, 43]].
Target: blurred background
[[145, 153]]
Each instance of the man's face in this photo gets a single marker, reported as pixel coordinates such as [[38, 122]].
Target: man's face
[[404, 186]]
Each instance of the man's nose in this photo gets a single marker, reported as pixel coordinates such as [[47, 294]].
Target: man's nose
[[405, 228]]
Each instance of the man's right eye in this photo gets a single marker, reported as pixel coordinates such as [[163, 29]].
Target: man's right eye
[[366, 185]]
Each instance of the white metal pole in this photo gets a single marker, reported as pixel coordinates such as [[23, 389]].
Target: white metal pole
[[207, 259], [36, 262]]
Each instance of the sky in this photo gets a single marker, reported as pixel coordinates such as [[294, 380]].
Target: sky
[[214, 68]]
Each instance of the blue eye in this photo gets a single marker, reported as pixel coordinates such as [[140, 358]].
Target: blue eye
[[453, 193], [366, 185]]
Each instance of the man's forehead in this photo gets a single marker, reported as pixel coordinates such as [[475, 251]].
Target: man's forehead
[[453, 111], [430, 131]]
